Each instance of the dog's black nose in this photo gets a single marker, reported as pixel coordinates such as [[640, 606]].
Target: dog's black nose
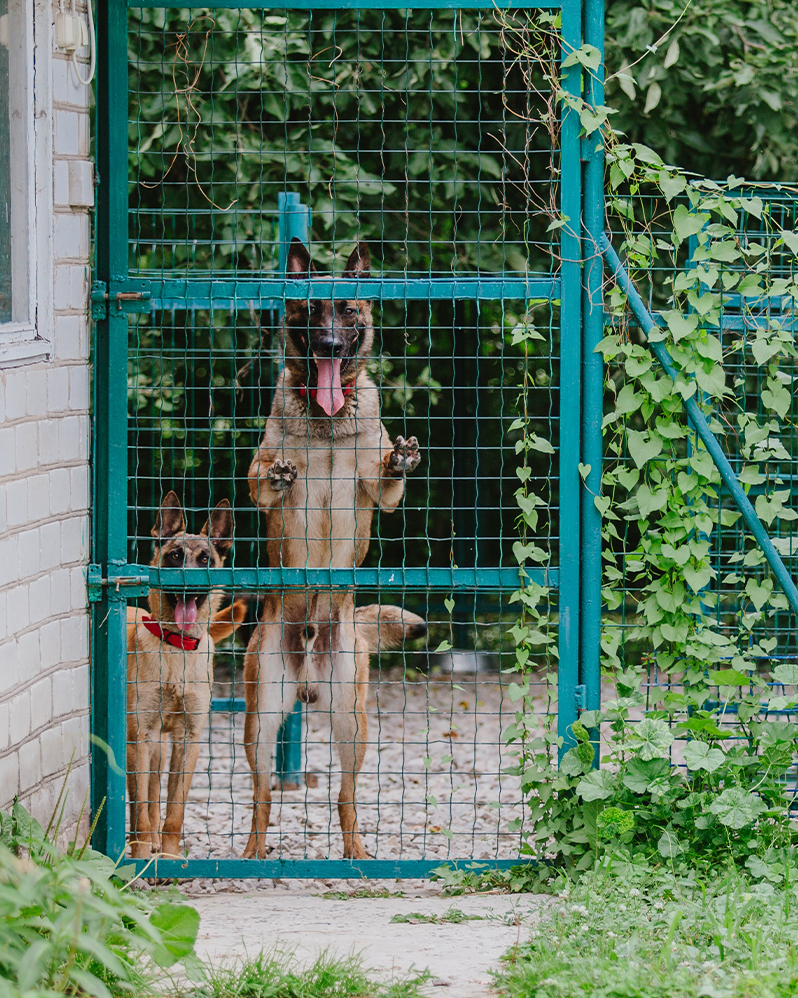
[[327, 344]]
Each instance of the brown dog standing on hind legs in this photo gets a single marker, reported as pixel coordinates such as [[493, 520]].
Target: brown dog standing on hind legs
[[169, 675], [324, 463]]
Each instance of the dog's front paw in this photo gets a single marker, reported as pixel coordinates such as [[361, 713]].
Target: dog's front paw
[[404, 457], [281, 475]]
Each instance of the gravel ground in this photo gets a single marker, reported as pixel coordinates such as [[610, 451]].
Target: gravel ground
[[431, 787]]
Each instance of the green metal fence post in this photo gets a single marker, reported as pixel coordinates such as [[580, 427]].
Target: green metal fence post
[[109, 647], [288, 755], [570, 377], [592, 373], [293, 221]]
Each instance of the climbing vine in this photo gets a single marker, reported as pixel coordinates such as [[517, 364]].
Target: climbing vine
[[698, 743]]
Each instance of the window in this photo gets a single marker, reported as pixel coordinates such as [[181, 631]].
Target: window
[[25, 209]]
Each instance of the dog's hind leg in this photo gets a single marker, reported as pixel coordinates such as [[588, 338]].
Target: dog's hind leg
[[270, 695], [350, 731], [350, 734]]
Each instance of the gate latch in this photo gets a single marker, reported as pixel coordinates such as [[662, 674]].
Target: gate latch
[[135, 579], [126, 297], [130, 296]]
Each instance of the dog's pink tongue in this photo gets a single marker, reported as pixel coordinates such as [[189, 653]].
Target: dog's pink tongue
[[329, 394], [186, 612]]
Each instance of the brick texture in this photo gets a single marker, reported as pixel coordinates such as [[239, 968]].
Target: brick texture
[[44, 495]]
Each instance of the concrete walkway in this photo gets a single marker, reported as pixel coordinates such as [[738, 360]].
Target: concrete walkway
[[459, 956]]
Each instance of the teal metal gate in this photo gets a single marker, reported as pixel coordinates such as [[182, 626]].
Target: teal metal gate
[[323, 122]]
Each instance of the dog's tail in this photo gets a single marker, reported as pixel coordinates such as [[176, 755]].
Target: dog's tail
[[388, 626], [226, 620]]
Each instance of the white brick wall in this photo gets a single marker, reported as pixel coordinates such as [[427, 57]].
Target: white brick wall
[[44, 496]]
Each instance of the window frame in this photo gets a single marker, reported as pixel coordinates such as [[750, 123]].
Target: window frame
[[27, 338]]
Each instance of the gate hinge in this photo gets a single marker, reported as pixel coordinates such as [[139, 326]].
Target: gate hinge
[[580, 697], [99, 299], [124, 297], [133, 579]]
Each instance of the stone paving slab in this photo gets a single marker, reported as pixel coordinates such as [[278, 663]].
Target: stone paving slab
[[459, 956]]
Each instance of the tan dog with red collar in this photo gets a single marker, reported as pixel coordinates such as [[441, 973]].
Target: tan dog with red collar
[[169, 675]]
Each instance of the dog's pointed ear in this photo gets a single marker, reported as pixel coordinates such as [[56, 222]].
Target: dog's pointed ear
[[298, 263], [169, 520], [359, 263], [221, 527]]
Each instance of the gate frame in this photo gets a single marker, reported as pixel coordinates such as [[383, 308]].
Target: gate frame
[[112, 580]]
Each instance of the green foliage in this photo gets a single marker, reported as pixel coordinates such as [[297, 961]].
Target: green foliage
[[70, 925], [710, 84], [532, 631], [230, 107], [480, 878], [728, 804], [627, 931], [693, 244], [453, 916], [276, 975]]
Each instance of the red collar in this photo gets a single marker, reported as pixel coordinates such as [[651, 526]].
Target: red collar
[[303, 390], [187, 643]]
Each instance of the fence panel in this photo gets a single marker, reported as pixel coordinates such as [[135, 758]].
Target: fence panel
[[422, 134]]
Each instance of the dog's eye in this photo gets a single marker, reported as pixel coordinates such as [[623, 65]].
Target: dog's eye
[[203, 559], [312, 308], [349, 310], [176, 556]]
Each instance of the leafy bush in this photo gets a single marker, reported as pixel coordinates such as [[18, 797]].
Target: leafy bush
[[698, 758], [710, 84], [70, 924], [729, 805]]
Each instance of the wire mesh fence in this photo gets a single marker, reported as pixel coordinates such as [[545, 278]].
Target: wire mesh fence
[[750, 329], [417, 135]]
